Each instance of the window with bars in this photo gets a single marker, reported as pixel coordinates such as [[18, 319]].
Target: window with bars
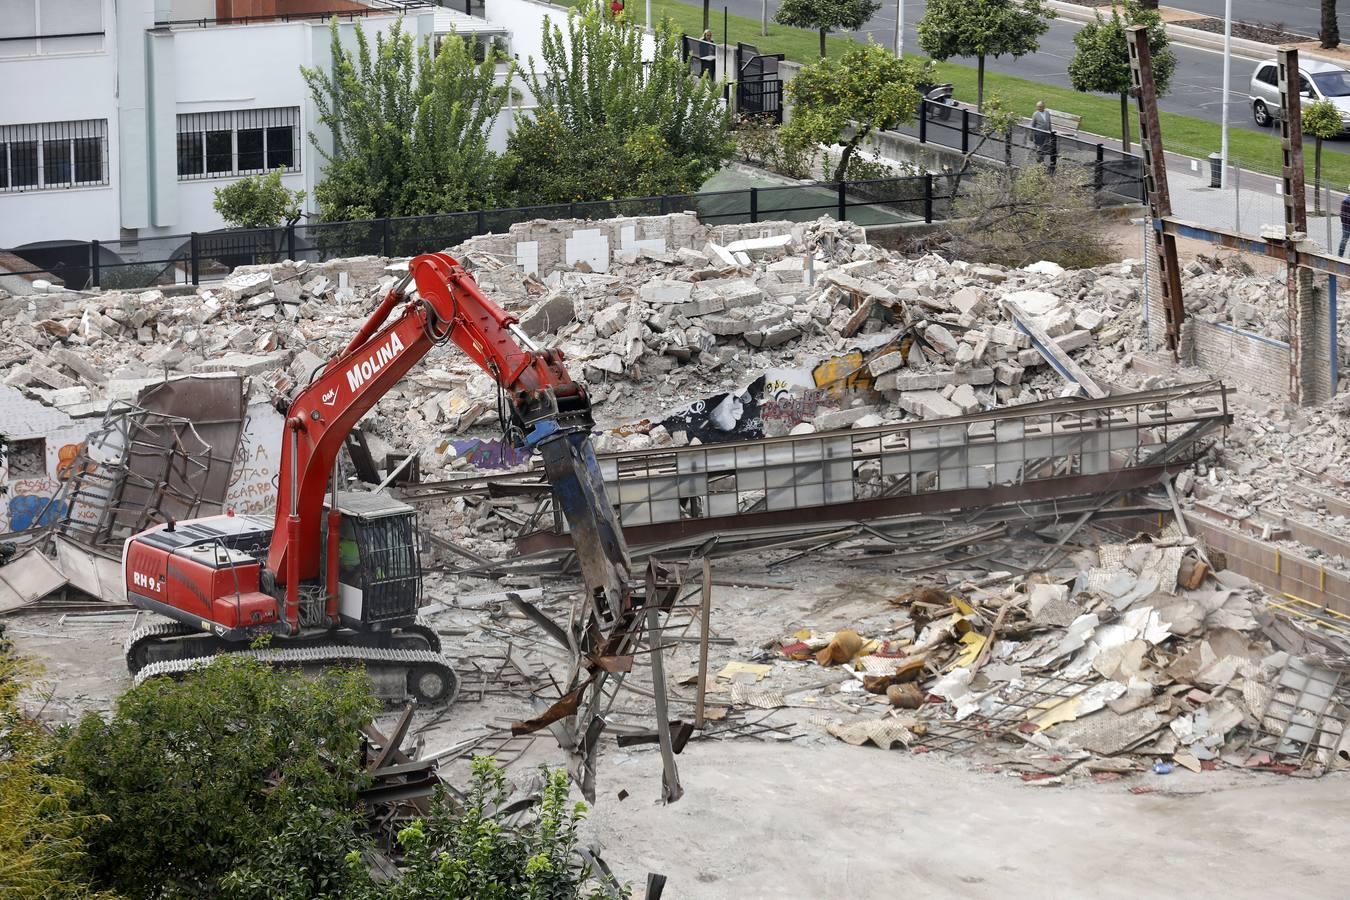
[[53, 155], [238, 142]]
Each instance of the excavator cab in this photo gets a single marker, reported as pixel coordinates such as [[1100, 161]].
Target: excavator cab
[[379, 574]]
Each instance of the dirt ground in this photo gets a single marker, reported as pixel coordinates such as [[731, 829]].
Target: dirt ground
[[801, 814]]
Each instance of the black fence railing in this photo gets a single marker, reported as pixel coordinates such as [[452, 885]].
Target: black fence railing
[[1116, 174], [193, 258]]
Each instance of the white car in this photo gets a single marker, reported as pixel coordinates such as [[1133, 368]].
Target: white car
[[1318, 80]]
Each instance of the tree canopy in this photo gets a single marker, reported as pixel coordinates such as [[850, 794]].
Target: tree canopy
[[983, 28], [610, 124], [826, 15], [409, 126], [865, 90], [259, 201], [1101, 59]]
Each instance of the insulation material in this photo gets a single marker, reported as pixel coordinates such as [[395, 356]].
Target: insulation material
[[29, 577]]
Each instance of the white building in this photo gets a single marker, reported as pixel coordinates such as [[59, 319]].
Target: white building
[[119, 118]]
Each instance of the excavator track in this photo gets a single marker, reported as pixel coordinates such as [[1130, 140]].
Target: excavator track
[[430, 679], [147, 636]]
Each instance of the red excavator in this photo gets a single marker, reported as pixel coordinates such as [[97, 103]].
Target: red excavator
[[335, 578]]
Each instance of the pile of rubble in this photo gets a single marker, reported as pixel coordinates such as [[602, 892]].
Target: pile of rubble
[[1224, 288], [1145, 658]]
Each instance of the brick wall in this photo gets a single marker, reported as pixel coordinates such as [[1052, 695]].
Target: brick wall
[[1242, 359]]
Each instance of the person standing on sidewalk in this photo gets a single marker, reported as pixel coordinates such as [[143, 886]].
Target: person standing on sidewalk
[[1345, 224], [1042, 134]]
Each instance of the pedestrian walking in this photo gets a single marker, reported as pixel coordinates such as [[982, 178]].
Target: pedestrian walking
[[1043, 136], [1345, 224]]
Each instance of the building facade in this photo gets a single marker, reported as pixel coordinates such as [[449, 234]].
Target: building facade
[[120, 118]]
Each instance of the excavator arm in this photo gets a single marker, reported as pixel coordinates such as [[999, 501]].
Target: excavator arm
[[543, 409]]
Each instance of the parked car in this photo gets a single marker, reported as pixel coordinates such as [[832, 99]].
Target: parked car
[[1318, 80]]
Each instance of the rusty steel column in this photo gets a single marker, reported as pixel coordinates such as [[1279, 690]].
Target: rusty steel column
[[1155, 182], [1301, 298]]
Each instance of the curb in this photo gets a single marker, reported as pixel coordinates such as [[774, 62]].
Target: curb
[[1189, 37]]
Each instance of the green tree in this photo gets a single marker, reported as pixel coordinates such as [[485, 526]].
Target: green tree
[[42, 848], [982, 28], [235, 782], [842, 101], [609, 123], [1101, 58], [826, 15], [409, 127], [1322, 120], [259, 201]]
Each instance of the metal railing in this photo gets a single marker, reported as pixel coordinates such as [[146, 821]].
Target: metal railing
[[1114, 172], [192, 258]]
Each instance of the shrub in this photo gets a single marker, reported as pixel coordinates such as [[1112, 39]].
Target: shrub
[[1016, 218], [234, 780]]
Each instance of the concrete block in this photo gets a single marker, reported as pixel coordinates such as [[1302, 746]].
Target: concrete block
[[772, 337], [941, 339], [758, 248], [841, 418], [964, 397], [243, 363], [692, 257], [721, 256], [665, 291], [928, 405], [610, 320], [860, 268], [1089, 319], [1056, 322], [739, 293], [887, 362], [968, 301], [34, 372], [246, 284], [1008, 373], [549, 314], [1074, 340], [723, 326], [913, 381], [1030, 358], [1036, 303], [78, 364]]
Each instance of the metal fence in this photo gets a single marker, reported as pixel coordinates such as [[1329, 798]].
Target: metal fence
[[1115, 173], [192, 258]]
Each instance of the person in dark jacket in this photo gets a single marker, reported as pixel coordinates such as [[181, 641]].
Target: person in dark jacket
[[1345, 224]]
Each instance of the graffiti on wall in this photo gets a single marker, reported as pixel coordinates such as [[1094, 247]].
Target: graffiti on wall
[[31, 504], [492, 454], [253, 478]]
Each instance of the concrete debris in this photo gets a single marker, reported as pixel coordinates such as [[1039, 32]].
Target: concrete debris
[[775, 325]]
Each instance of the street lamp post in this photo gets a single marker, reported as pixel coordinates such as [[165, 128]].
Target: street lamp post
[[899, 28], [1227, 67]]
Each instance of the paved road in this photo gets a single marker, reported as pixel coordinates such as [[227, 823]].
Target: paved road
[[1197, 85], [1298, 16]]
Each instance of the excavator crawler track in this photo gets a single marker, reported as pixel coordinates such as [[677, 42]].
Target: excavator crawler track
[[430, 680], [140, 641]]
